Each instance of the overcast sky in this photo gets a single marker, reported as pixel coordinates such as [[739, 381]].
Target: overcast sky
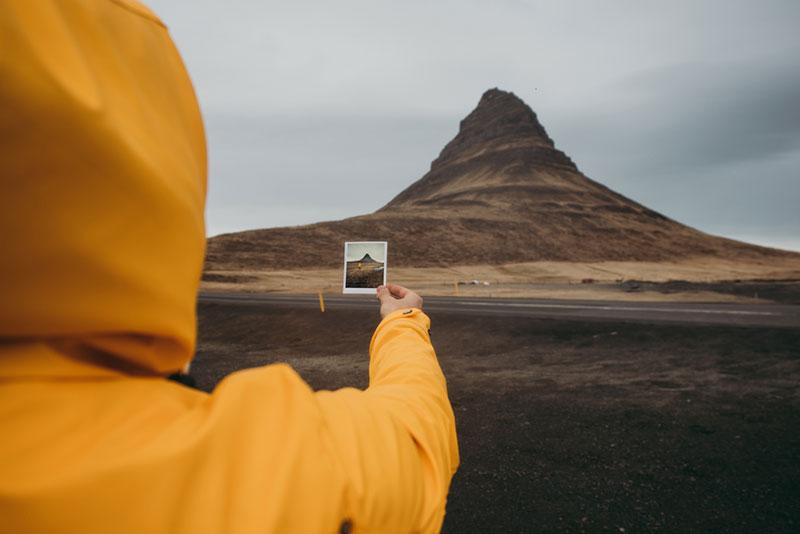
[[323, 110], [357, 250]]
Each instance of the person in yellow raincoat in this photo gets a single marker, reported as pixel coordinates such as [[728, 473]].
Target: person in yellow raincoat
[[102, 190]]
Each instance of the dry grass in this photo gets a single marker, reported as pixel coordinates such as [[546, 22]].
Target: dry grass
[[547, 279]]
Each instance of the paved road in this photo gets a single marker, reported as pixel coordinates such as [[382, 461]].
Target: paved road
[[777, 315]]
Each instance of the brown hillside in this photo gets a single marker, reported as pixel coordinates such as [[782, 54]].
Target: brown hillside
[[499, 192]]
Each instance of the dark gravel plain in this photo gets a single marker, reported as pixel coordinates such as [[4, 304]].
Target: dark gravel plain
[[574, 426]]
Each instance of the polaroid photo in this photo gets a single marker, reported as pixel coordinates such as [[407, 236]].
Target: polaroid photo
[[364, 266]]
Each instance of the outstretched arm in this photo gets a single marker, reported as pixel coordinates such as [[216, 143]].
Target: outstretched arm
[[396, 441]]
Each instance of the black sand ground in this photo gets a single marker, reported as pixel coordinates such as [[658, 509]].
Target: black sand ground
[[570, 426]]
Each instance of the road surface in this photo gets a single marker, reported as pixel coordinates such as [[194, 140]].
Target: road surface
[[772, 315]]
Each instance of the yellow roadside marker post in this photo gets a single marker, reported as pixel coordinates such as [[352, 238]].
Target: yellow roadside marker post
[[321, 302], [455, 288]]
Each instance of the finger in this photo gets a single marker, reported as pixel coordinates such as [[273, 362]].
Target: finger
[[398, 291], [383, 293]]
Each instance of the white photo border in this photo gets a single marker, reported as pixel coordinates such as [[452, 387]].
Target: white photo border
[[364, 290]]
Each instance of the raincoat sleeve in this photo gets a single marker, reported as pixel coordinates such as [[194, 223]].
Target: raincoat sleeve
[[396, 440]]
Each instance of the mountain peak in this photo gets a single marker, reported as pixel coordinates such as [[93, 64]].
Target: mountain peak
[[500, 155], [501, 119]]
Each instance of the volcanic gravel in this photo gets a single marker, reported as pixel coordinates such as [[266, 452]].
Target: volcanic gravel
[[571, 426]]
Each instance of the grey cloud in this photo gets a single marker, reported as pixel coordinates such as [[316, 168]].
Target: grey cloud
[[693, 116], [720, 114], [321, 110], [714, 146], [277, 170]]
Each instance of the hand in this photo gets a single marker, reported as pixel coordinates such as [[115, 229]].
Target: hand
[[394, 297]]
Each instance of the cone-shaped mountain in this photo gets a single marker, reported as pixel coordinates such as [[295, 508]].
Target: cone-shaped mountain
[[502, 136], [499, 192], [367, 259]]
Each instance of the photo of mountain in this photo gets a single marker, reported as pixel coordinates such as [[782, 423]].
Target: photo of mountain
[[365, 266]]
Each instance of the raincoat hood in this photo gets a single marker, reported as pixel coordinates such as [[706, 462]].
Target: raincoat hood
[[103, 179]]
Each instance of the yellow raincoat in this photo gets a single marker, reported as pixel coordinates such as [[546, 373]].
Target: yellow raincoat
[[102, 188]]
